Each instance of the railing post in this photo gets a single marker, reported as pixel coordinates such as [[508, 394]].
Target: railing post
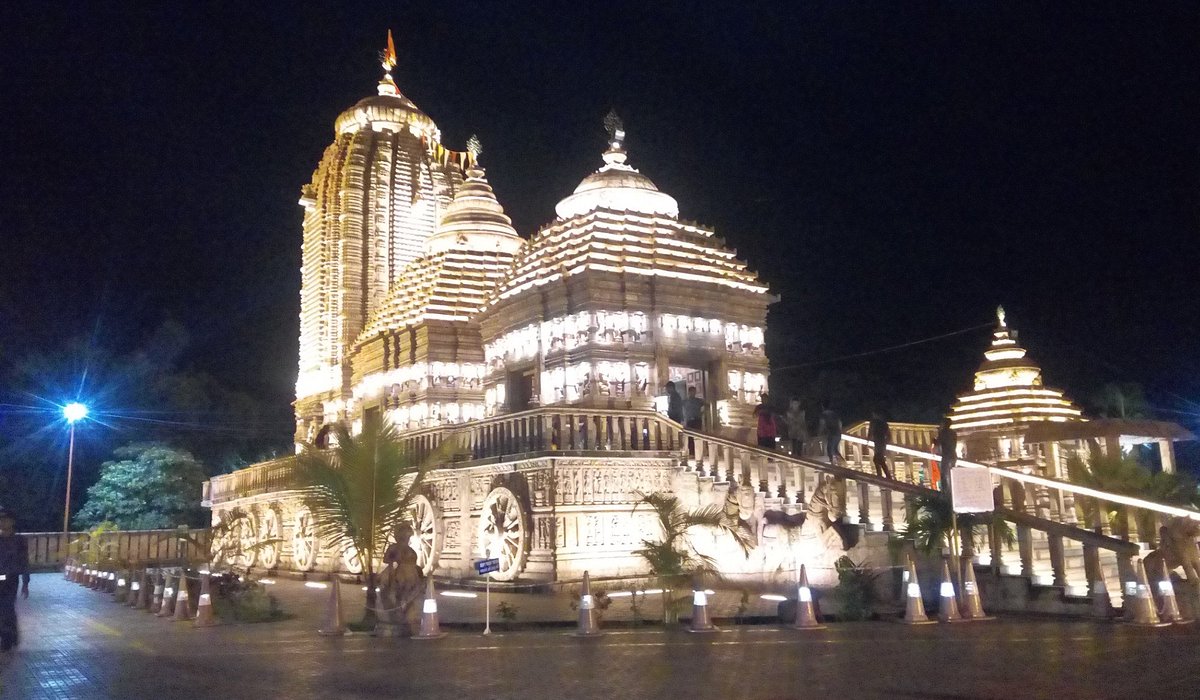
[[1025, 548], [864, 503], [996, 547], [885, 502], [1128, 581], [801, 486], [764, 470], [1058, 563], [729, 466], [1091, 566]]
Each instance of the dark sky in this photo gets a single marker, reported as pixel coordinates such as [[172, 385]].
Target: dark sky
[[893, 170]]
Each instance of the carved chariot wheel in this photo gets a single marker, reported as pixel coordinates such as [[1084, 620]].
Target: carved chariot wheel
[[426, 541], [351, 562], [503, 529], [268, 538], [245, 541], [304, 540]]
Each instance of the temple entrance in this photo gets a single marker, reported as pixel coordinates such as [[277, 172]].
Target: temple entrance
[[686, 376], [520, 390]]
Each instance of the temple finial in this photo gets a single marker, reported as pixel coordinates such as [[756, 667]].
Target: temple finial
[[474, 147], [1000, 316], [388, 57], [615, 128]]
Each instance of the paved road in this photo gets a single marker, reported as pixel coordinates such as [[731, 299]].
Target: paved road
[[79, 645]]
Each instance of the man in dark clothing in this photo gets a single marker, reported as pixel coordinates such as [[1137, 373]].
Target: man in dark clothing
[[693, 416], [674, 403], [879, 433], [947, 447], [14, 566], [831, 433]]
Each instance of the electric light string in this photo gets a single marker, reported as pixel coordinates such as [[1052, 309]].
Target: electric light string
[[879, 351]]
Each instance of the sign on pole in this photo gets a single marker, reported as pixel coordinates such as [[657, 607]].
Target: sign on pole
[[487, 566], [971, 490]]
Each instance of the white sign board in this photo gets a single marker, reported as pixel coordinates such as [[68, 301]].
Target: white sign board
[[971, 490]]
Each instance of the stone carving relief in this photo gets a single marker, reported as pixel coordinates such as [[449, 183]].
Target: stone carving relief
[[604, 485]]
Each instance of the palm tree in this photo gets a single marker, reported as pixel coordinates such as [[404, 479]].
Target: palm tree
[[930, 524], [359, 491], [672, 558], [1117, 472]]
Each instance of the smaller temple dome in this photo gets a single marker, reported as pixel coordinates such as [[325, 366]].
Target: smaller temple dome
[[389, 108], [475, 220], [617, 186]]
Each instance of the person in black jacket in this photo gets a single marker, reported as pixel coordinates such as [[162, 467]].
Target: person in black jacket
[[879, 433], [14, 567]]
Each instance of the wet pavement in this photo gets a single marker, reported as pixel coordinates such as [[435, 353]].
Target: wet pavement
[[77, 644]]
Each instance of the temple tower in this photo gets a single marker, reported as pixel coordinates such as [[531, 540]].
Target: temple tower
[[374, 200]]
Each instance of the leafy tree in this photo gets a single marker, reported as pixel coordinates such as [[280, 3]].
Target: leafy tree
[[148, 486], [671, 557], [1121, 400], [359, 491]]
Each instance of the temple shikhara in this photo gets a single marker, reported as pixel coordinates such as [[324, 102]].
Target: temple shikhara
[[543, 358]]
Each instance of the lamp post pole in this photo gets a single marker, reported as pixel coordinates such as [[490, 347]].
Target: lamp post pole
[[70, 468]]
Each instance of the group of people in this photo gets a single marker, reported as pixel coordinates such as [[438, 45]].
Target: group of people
[[829, 431], [687, 411]]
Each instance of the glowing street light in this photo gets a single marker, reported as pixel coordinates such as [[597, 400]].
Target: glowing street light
[[73, 412]]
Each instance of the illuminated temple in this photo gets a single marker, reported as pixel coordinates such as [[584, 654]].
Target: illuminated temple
[[545, 357]]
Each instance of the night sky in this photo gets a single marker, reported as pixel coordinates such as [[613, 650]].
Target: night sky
[[893, 171]]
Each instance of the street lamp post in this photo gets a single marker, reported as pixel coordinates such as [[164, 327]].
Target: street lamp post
[[73, 412]]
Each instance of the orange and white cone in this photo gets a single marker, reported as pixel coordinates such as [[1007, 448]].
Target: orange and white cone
[[159, 588], [589, 623], [121, 592], [430, 628], [1170, 607], [806, 612], [135, 589], [700, 619], [1102, 608], [334, 625], [204, 610], [183, 608], [168, 597], [948, 607], [1140, 606], [914, 606], [971, 603]]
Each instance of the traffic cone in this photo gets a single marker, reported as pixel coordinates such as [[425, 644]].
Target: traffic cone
[[700, 619], [589, 625], [121, 593], [183, 610], [1141, 605], [159, 587], [168, 597], [334, 625], [430, 629], [135, 588], [971, 604], [948, 608], [914, 607], [1170, 608], [806, 612], [204, 611], [1102, 608]]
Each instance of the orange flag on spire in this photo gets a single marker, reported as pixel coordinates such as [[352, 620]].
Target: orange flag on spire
[[390, 56]]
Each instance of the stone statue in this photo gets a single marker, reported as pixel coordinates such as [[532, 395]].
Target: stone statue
[[401, 587], [1177, 546], [825, 509]]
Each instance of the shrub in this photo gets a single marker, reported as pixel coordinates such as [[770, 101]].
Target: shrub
[[855, 592]]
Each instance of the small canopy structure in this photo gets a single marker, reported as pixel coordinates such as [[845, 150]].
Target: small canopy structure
[[1113, 432]]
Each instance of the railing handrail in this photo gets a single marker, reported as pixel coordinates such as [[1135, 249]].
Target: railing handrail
[[1046, 481]]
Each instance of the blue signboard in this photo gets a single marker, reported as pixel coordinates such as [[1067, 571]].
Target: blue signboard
[[487, 566]]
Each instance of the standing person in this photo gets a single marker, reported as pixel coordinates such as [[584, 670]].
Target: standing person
[[831, 432], [674, 403], [797, 426], [767, 429], [693, 410], [947, 448], [880, 434], [14, 566]]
